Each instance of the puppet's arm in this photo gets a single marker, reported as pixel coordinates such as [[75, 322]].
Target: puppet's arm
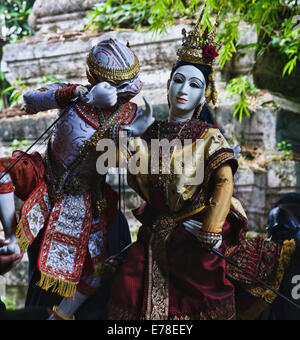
[[8, 213], [209, 232], [52, 96]]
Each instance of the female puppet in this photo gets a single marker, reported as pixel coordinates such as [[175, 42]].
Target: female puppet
[[169, 272]]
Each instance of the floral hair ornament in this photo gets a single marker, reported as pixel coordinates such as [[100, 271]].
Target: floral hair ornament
[[200, 48]]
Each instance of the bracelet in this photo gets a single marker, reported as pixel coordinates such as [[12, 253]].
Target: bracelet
[[60, 316], [209, 238], [63, 96]]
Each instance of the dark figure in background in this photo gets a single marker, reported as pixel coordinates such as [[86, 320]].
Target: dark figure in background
[[284, 224], [284, 219]]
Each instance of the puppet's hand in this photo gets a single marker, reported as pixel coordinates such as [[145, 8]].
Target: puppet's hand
[[236, 150], [141, 122], [111, 266], [207, 240], [8, 218], [7, 260], [102, 96], [12, 247], [81, 92]]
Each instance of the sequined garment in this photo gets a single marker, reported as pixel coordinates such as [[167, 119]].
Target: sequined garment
[[167, 274], [74, 226]]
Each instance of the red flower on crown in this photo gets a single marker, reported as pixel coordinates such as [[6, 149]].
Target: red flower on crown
[[210, 52]]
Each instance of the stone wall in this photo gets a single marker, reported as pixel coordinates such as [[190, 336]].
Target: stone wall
[[60, 16], [259, 185]]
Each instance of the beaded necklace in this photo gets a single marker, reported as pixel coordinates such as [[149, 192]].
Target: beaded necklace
[[163, 178]]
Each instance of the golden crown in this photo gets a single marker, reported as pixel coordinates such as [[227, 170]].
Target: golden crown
[[198, 47], [95, 70]]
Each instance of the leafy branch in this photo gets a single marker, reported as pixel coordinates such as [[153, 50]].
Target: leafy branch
[[15, 14], [244, 89], [154, 16], [15, 91], [14, 26], [273, 20]]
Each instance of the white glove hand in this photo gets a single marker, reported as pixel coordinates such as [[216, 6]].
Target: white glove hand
[[141, 122], [236, 150], [68, 306], [195, 227], [12, 248], [81, 92], [9, 222], [102, 95]]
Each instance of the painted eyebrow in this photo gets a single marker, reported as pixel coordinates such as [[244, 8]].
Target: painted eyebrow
[[190, 79], [197, 79]]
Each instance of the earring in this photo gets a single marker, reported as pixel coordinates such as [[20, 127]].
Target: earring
[[200, 110], [211, 93]]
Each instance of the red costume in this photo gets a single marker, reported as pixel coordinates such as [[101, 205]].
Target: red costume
[[167, 274]]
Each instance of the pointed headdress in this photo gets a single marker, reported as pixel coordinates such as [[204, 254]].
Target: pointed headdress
[[199, 47]]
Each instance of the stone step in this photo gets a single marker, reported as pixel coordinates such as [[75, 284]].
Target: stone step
[[64, 57]]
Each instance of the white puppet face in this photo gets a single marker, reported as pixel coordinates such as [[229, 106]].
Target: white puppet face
[[186, 89]]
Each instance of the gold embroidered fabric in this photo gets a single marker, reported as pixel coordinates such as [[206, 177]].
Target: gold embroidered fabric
[[224, 312], [178, 192], [158, 289]]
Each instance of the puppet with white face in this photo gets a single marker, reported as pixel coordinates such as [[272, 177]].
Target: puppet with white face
[[169, 272]]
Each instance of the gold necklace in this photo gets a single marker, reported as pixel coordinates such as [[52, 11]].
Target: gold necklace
[[179, 133], [161, 179]]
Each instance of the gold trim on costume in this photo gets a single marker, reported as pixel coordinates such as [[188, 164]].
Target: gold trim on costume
[[158, 277], [61, 287], [21, 237], [225, 312], [189, 214], [59, 316], [267, 295], [110, 74]]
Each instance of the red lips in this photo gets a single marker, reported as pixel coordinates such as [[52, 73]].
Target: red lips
[[181, 99]]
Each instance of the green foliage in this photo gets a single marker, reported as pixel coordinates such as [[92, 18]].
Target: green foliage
[[17, 144], [3, 85], [134, 232], [116, 14], [49, 80], [14, 26], [286, 149], [15, 14], [9, 304], [15, 91], [284, 146], [288, 44], [156, 15], [274, 21], [244, 89]]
